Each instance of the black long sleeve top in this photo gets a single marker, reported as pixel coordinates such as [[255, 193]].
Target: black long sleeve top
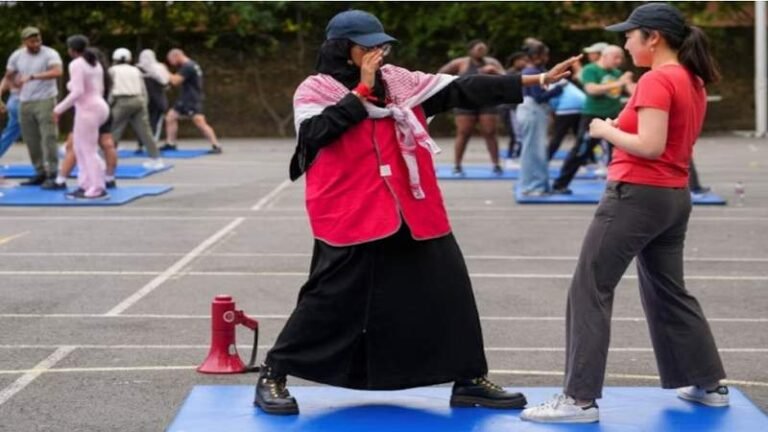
[[467, 92]]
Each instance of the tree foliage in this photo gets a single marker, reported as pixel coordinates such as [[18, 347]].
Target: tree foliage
[[242, 36], [428, 30]]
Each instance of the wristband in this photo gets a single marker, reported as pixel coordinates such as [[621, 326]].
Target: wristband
[[542, 78], [363, 90]]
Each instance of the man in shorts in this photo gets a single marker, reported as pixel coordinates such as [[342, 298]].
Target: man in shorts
[[189, 76]]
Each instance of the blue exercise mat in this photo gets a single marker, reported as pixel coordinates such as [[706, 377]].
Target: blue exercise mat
[[709, 198], [559, 155], [327, 409], [590, 192], [584, 192], [121, 172], [484, 172], [168, 154], [34, 196]]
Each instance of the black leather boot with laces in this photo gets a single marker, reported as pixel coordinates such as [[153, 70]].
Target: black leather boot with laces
[[272, 396], [479, 392]]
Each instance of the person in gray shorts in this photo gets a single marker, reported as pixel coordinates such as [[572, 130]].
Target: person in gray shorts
[[35, 68]]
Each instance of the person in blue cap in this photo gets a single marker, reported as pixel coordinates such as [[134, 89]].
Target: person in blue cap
[[388, 303], [643, 216]]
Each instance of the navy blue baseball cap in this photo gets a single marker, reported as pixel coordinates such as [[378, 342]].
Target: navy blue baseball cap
[[360, 27], [654, 16]]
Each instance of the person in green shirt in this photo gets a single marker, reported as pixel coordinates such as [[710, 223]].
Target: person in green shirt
[[604, 84]]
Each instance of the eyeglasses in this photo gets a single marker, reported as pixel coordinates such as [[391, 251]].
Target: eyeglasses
[[385, 49]]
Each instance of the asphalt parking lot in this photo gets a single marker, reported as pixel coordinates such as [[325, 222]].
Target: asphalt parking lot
[[104, 311]]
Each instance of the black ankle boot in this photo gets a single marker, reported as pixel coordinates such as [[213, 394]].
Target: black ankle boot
[[483, 393], [272, 396]]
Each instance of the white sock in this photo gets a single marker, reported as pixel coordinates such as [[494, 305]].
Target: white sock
[[60, 179], [109, 178]]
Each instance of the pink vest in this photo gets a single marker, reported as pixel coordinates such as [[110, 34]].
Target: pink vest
[[357, 188]]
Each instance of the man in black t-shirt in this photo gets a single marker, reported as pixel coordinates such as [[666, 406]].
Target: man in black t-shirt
[[190, 104]]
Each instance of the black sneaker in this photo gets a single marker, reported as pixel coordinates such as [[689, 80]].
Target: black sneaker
[[458, 172], [215, 150], [110, 184], [561, 191], [51, 184], [272, 396], [34, 181], [497, 170], [168, 147], [79, 194], [703, 190], [479, 392], [139, 151]]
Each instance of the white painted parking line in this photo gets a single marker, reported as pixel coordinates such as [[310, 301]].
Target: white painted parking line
[[8, 239], [137, 209], [152, 218], [588, 218], [246, 347], [174, 268], [620, 350], [176, 271], [137, 218], [522, 372], [179, 265], [569, 210], [75, 273], [574, 258], [517, 372], [120, 369], [713, 259], [630, 277], [285, 317], [300, 216], [31, 374], [270, 196], [92, 254], [508, 205]]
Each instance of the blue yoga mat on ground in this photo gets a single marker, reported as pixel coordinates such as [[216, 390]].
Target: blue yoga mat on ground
[[484, 172], [584, 192], [34, 196], [121, 172], [168, 154], [328, 409], [590, 192], [559, 155]]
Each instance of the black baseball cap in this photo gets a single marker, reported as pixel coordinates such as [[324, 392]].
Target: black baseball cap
[[358, 26], [654, 16]]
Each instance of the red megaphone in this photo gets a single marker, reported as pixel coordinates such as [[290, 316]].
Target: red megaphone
[[222, 356]]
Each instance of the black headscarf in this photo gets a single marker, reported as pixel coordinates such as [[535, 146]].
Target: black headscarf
[[334, 60]]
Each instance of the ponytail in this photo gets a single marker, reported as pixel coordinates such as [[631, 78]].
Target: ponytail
[[692, 51], [695, 55], [90, 56], [79, 44], [103, 62]]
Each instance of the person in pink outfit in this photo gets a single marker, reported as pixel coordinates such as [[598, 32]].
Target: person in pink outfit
[[86, 89]]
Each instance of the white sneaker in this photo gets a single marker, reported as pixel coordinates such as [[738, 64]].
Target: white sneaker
[[714, 398], [512, 164], [601, 172], [561, 409], [154, 164]]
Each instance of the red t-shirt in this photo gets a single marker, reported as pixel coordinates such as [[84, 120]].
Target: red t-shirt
[[672, 89]]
